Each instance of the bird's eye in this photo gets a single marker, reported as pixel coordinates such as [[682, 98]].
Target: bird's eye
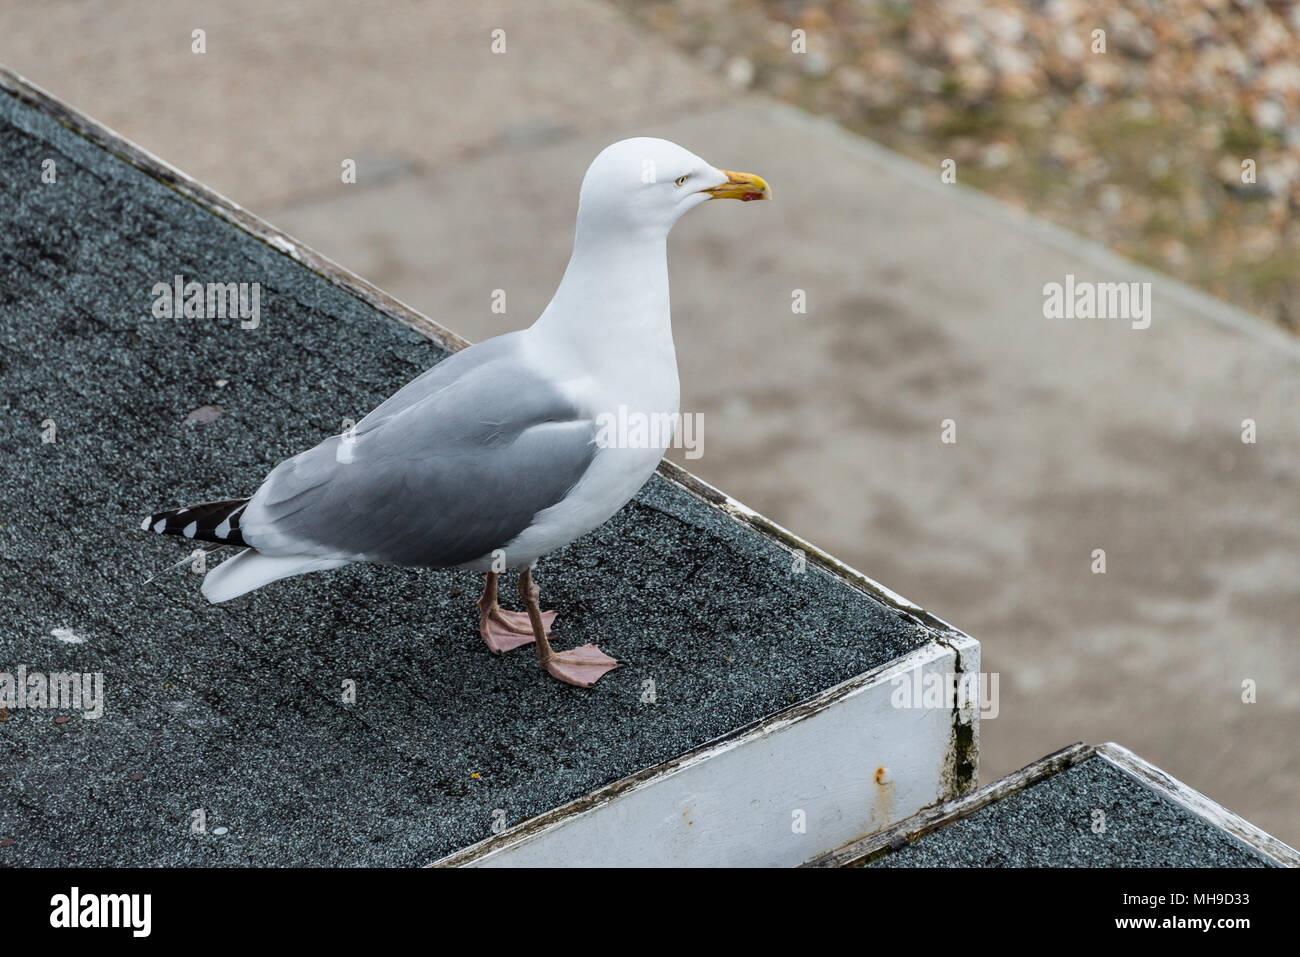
[[680, 180]]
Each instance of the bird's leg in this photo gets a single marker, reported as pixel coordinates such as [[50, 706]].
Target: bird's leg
[[579, 666], [505, 630]]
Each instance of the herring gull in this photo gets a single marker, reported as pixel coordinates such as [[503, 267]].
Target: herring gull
[[493, 457]]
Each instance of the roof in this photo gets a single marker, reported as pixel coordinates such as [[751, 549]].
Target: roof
[[1079, 807], [237, 710]]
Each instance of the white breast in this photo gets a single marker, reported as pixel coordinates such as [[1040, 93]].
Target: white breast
[[632, 402]]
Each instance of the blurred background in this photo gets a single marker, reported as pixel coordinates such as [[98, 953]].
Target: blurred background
[[924, 299], [1139, 147]]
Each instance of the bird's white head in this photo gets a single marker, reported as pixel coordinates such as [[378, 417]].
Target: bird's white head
[[645, 184]]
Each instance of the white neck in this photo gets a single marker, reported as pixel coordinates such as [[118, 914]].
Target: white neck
[[612, 305]]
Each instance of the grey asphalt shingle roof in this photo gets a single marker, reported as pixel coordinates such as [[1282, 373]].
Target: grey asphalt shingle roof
[[1051, 824], [236, 709]]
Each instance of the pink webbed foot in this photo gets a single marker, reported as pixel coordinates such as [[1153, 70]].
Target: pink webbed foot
[[504, 631], [582, 666]]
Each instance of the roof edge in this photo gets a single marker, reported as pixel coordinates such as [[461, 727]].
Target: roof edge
[[230, 211]]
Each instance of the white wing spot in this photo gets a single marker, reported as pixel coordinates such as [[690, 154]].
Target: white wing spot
[[189, 530], [223, 530], [160, 525], [145, 524]]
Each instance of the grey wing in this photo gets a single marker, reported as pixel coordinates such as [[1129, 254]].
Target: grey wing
[[448, 469]]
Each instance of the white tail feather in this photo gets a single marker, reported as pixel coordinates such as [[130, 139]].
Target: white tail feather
[[250, 570]]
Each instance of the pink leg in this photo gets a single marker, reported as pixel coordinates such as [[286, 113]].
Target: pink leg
[[579, 666], [505, 630]]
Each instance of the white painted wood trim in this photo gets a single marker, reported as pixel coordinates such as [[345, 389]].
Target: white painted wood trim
[[847, 758], [1197, 803], [868, 848]]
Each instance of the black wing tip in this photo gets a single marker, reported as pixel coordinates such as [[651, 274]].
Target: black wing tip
[[201, 522]]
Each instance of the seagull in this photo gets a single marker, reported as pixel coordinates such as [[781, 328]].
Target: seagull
[[496, 456]]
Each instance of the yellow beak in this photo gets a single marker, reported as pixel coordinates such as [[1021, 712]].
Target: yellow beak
[[745, 187]]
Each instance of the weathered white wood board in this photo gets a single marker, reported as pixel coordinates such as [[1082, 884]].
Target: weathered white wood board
[[844, 763]]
